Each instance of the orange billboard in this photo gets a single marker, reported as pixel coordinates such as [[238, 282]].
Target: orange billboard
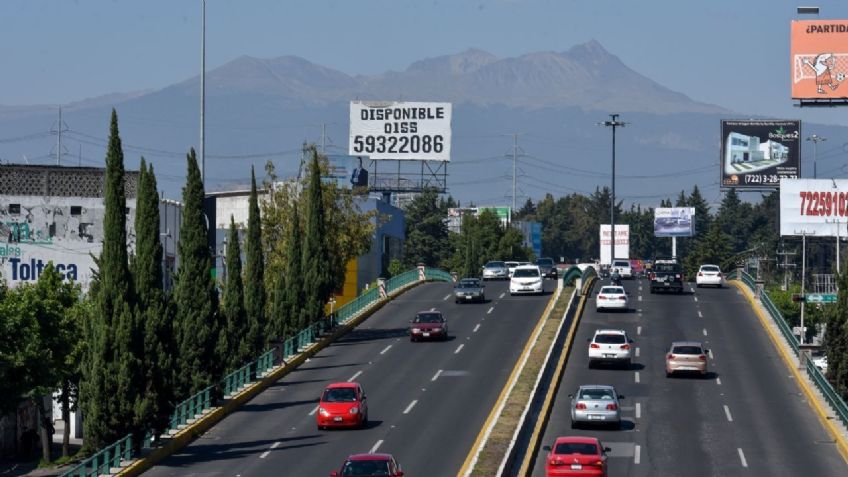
[[819, 53]]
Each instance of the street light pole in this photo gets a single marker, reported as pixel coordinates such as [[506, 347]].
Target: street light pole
[[203, 93], [815, 138], [613, 123]]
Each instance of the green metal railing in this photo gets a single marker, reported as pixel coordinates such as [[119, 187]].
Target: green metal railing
[[436, 274], [401, 280], [106, 459], [190, 408], [571, 274], [832, 397]]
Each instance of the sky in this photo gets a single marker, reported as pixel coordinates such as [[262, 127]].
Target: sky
[[726, 52]]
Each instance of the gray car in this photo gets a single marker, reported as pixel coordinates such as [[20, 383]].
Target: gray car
[[595, 404], [495, 270], [469, 289]]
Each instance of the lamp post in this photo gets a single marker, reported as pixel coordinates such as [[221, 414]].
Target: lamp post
[[203, 93], [815, 138], [613, 123]]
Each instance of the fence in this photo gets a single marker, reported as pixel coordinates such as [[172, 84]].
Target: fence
[[232, 383], [834, 400]]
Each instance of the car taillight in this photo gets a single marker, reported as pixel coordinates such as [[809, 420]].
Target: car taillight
[[580, 405], [700, 274], [611, 407], [625, 346], [599, 463], [601, 297], [622, 297], [702, 357], [719, 275], [671, 356], [595, 346]]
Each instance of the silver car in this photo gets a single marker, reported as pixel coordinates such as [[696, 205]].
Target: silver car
[[595, 404], [495, 271]]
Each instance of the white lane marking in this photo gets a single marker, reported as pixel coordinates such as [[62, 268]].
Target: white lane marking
[[710, 352], [638, 410], [727, 413], [264, 455], [490, 311], [275, 445], [443, 299], [699, 314], [696, 298], [636, 376], [640, 287], [638, 330], [476, 328], [313, 411], [436, 376], [433, 309], [355, 375], [637, 352], [718, 381], [742, 457], [640, 297], [411, 405], [386, 349], [705, 332], [459, 348], [637, 454], [691, 289], [502, 295], [376, 446]]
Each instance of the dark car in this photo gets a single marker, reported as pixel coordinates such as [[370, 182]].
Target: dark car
[[428, 325], [547, 267], [666, 275], [361, 465], [469, 289]]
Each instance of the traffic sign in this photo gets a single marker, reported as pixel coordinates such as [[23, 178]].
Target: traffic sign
[[821, 298]]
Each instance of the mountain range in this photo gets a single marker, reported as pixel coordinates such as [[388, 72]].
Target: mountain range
[[548, 102]]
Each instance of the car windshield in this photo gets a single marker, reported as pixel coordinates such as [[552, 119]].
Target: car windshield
[[339, 395], [686, 350], [596, 394], [525, 273], [468, 284], [612, 290], [610, 339], [709, 268], [428, 318], [495, 265], [545, 262], [576, 448], [354, 468]]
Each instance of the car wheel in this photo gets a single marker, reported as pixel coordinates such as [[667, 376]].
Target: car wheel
[[364, 423], [591, 363], [412, 339], [628, 363], [698, 285], [667, 374]]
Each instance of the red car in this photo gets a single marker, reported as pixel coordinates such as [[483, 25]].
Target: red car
[[576, 456], [428, 325], [342, 405], [383, 465]]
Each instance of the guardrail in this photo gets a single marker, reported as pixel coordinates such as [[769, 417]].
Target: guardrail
[[232, 383], [831, 396], [572, 274]]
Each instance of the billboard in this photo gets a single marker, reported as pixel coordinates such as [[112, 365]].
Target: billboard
[[819, 56], [622, 242], [347, 171], [813, 206], [674, 222], [758, 154], [400, 130], [454, 220]]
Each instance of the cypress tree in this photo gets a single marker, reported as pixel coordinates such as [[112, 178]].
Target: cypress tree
[[292, 312], [232, 343], [254, 293], [317, 282], [196, 325], [110, 386], [152, 311]]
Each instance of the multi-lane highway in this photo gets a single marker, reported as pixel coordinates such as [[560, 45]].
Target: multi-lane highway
[[427, 401], [747, 417]]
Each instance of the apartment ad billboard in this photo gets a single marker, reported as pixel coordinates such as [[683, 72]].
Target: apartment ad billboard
[[757, 154], [400, 130], [622, 242], [819, 59], [674, 221], [815, 207]]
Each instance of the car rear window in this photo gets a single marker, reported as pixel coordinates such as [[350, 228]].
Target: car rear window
[[576, 448], [610, 339], [494, 265], [469, 284], [428, 318], [709, 268], [621, 263], [525, 273], [357, 468], [687, 350], [596, 394], [545, 262], [612, 290]]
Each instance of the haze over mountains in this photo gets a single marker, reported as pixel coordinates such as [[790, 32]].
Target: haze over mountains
[[263, 109]]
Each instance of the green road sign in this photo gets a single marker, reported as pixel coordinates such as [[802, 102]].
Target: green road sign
[[821, 297]]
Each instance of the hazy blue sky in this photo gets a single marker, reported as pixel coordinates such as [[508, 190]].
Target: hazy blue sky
[[729, 52]]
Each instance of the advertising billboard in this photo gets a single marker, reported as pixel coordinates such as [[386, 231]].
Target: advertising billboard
[[816, 207], [674, 222], [758, 154], [400, 130], [347, 171], [819, 56], [622, 242]]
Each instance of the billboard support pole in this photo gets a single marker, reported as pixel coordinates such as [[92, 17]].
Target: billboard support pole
[[674, 247], [613, 123], [803, 282]]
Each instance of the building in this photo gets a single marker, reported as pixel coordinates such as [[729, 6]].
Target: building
[[741, 149]]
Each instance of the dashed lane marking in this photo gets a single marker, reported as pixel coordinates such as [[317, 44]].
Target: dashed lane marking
[[718, 381], [264, 455], [636, 376], [275, 445], [386, 349], [459, 348], [638, 410], [742, 457], [355, 375], [313, 411], [502, 295], [727, 413], [637, 352], [705, 332], [640, 297], [699, 314], [443, 299], [696, 298], [638, 330], [490, 311], [433, 309], [637, 454], [376, 446], [476, 328], [436, 376], [411, 405]]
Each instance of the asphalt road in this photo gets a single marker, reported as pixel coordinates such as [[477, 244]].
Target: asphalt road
[[427, 400], [747, 417]]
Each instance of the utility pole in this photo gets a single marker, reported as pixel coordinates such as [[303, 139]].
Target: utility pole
[[323, 138], [613, 123], [514, 166], [60, 128], [815, 138], [786, 266], [803, 280], [203, 93]]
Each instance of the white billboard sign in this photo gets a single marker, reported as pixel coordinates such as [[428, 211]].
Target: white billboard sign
[[816, 207], [674, 221], [622, 242], [400, 130]]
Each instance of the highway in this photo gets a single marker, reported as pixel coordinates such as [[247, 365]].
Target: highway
[[427, 400], [747, 417]]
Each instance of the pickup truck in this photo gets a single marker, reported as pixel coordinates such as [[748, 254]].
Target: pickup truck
[[666, 276]]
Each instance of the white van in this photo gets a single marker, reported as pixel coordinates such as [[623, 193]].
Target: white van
[[623, 267]]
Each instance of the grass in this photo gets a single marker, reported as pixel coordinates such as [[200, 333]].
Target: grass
[[495, 448]]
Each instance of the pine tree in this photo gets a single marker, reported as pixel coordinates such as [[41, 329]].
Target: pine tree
[[152, 312], [196, 323], [702, 211], [233, 342], [426, 231], [317, 281], [292, 316], [836, 340], [254, 287]]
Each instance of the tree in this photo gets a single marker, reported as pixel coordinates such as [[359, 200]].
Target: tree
[[235, 345], [317, 280], [836, 340], [292, 310], [254, 286], [196, 322], [426, 231], [511, 246]]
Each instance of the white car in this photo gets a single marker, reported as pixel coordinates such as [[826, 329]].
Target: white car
[[709, 275], [821, 363], [611, 346], [510, 266], [526, 279], [611, 298], [623, 267]]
